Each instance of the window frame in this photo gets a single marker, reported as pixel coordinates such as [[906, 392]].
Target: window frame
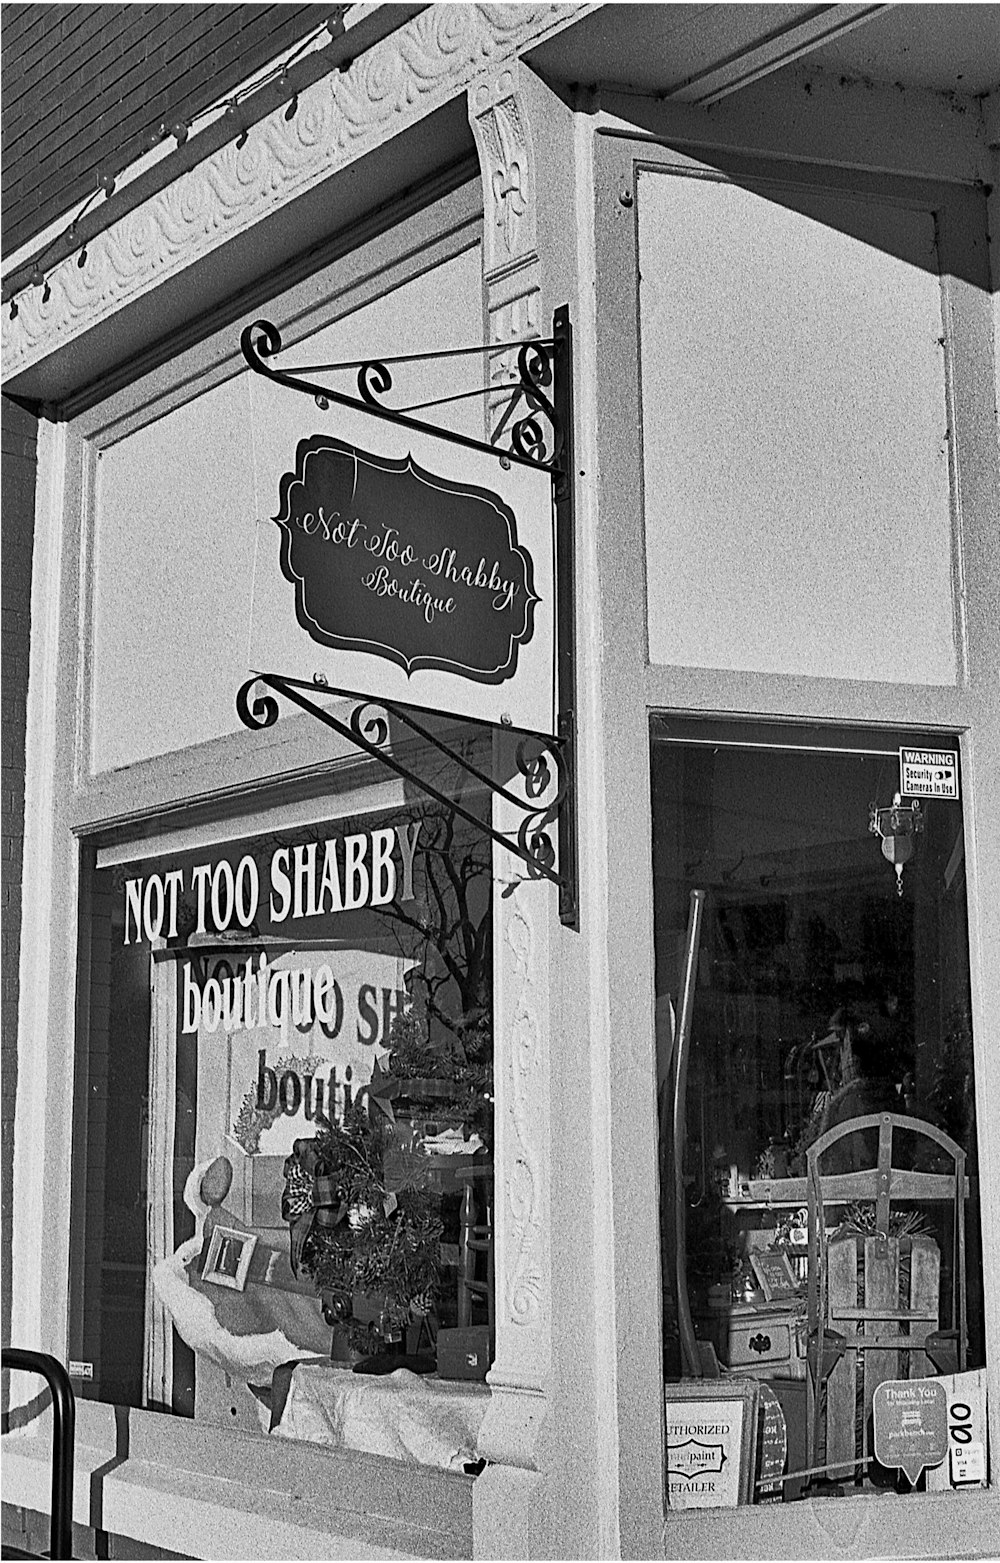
[[633, 691], [158, 1454]]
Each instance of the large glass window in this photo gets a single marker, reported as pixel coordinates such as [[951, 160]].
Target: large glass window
[[819, 1187], [285, 1133]]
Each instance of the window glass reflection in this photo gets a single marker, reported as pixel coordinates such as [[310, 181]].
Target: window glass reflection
[[286, 1098], [816, 1088]]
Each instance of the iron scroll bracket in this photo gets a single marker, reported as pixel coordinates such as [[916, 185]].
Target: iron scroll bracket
[[544, 765], [539, 438], [535, 430]]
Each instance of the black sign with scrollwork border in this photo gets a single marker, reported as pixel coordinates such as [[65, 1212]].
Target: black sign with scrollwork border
[[388, 558]]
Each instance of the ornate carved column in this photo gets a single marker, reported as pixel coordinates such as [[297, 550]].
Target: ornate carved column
[[522, 908], [520, 1373]]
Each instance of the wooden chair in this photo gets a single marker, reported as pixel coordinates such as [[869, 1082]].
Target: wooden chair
[[864, 1311]]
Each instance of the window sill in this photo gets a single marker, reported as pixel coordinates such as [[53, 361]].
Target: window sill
[[212, 1492], [930, 1525]]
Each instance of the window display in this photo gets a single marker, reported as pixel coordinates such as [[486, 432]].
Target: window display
[[286, 1121], [819, 1186]]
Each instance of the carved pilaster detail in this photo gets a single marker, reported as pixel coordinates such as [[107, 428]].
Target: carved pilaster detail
[[514, 309], [500, 127], [498, 114], [341, 118], [511, 274], [520, 1372], [511, 270], [523, 1282], [519, 1376]]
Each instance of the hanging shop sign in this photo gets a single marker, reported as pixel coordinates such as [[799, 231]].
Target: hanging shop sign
[[397, 566], [418, 568], [928, 773], [390, 559]]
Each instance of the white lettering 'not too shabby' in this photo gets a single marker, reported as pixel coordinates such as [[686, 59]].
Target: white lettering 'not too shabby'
[[307, 880]]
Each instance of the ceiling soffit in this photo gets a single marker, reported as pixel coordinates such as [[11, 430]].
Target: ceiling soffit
[[696, 54], [702, 53]]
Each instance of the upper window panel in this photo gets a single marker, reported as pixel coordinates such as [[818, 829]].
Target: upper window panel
[[177, 503], [795, 433]]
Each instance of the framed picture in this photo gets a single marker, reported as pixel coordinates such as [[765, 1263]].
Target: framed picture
[[228, 1259], [775, 1275], [711, 1428]]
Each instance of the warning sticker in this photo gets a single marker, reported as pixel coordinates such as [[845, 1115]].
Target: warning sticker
[[928, 773]]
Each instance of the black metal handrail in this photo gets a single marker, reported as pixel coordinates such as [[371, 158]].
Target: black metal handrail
[[63, 1433]]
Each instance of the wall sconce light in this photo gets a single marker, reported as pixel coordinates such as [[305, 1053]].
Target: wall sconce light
[[897, 826]]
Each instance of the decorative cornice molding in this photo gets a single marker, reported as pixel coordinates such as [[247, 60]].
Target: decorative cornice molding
[[341, 118]]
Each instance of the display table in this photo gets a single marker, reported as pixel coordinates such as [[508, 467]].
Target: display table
[[406, 1416]]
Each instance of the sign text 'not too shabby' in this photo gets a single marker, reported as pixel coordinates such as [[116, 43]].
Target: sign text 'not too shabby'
[[310, 879]]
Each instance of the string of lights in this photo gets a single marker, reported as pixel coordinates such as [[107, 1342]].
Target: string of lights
[[229, 110]]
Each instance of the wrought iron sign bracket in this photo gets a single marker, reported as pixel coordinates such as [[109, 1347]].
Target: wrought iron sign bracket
[[527, 440], [536, 431], [543, 763]]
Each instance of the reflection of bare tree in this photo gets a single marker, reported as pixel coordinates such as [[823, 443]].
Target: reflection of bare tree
[[444, 931], [448, 922]]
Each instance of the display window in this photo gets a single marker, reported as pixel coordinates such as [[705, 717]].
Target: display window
[[284, 1138], [822, 1279]]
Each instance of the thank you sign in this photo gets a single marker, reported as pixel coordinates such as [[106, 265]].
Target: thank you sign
[[406, 581], [911, 1425]]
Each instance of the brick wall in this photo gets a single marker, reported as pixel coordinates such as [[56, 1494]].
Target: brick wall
[[84, 87], [17, 441]]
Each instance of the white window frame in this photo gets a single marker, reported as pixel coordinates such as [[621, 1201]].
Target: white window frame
[[633, 690], [209, 788]]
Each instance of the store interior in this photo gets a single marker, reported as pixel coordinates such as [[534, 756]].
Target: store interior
[[812, 973]]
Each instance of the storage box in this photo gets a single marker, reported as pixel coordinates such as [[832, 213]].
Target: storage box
[[766, 1336], [464, 1353], [257, 1187]]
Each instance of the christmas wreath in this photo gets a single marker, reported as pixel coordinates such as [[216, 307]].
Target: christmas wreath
[[357, 1237]]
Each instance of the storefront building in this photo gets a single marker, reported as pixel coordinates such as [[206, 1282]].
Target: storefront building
[[655, 1131]]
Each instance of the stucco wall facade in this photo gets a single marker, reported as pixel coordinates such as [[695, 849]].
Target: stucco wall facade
[[455, 112]]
